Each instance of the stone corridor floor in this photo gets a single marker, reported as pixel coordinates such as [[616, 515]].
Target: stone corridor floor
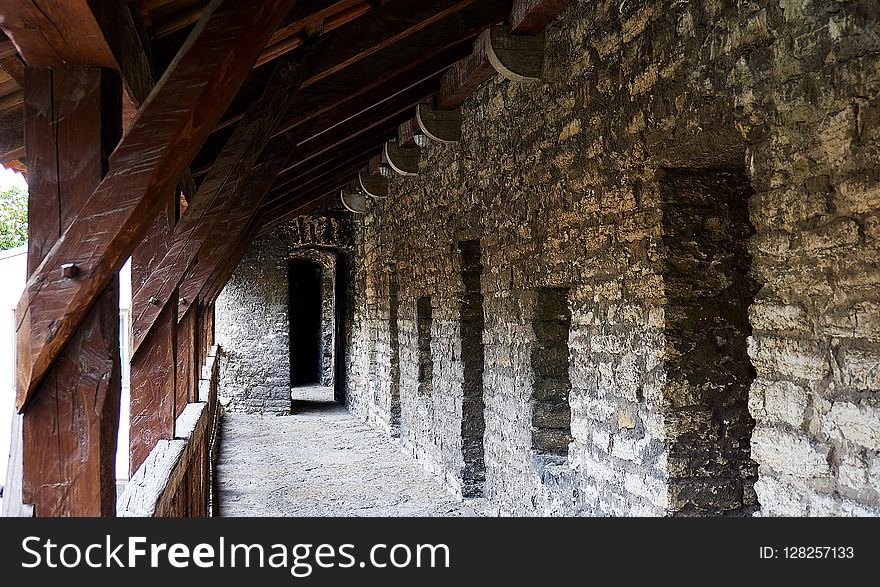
[[322, 461]]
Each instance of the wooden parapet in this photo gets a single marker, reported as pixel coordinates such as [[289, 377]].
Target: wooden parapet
[[154, 489]]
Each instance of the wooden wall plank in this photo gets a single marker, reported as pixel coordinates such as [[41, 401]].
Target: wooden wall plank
[[153, 379], [187, 354]]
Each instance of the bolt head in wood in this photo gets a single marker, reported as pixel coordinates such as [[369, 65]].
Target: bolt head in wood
[[154, 301], [70, 270]]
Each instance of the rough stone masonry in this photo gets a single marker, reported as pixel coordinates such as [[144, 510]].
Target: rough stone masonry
[[677, 236]]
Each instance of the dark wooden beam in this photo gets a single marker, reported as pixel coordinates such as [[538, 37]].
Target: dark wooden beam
[[10, 62], [11, 136], [531, 16], [112, 37], [356, 147], [150, 159], [334, 163], [406, 134], [69, 430], [48, 32], [215, 251], [373, 33], [322, 141], [463, 79], [423, 44], [228, 176]]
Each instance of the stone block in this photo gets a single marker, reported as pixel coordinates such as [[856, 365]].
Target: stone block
[[790, 453], [857, 423], [860, 369]]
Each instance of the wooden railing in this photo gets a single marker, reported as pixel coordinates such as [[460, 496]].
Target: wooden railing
[[176, 479]]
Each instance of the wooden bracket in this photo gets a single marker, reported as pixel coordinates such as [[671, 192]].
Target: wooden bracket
[[403, 161], [374, 186], [443, 126], [519, 58], [354, 202]]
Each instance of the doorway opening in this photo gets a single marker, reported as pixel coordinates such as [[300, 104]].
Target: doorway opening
[[304, 297]]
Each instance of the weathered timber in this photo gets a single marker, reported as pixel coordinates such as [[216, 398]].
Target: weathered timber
[[519, 58], [153, 380], [218, 191], [239, 213], [403, 161], [373, 70], [412, 21], [48, 32], [323, 139], [151, 158], [406, 134], [528, 17], [374, 186], [112, 37], [354, 201], [69, 431], [464, 78], [337, 150], [346, 160], [442, 126], [187, 354]]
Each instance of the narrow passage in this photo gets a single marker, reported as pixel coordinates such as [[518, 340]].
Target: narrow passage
[[322, 461]]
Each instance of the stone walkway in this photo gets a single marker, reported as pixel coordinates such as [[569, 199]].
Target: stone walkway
[[322, 461]]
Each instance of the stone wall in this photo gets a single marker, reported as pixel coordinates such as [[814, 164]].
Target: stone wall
[[701, 179], [251, 316]]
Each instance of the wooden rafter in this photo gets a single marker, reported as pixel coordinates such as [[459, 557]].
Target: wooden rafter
[[530, 16], [151, 158], [228, 176]]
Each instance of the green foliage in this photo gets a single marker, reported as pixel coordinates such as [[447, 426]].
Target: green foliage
[[13, 218]]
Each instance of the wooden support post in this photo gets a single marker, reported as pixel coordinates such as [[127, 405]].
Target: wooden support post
[[153, 380], [73, 122]]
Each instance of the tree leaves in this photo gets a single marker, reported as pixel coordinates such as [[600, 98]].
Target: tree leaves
[[13, 218]]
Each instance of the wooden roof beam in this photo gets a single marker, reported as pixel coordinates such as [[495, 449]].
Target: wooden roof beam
[[85, 32], [228, 176], [149, 160], [531, 16], [430, 28]]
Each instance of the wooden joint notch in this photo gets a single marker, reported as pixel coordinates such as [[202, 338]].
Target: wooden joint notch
[[403, 161], [442, 126], [374, 186], [519, 58], [354, 200]]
